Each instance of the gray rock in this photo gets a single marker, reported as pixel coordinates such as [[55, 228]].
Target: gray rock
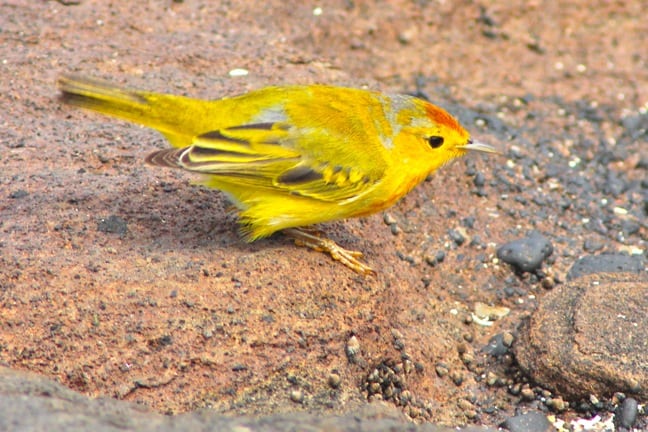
[[626, 414], [533, 421], [30, 403], [606, 264], [526, 254]]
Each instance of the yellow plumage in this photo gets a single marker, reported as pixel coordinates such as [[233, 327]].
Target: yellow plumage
[[292, 156]]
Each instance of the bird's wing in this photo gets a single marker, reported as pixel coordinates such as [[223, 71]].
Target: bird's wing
[[280, 157]]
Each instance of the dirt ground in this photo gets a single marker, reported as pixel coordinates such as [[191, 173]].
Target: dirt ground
[[121, 280]]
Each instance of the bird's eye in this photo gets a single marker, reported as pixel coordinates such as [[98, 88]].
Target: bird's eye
[[435, 141]]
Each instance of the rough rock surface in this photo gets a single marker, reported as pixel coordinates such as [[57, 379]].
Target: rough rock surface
[[32, 403], [588, 337], [119, 280]]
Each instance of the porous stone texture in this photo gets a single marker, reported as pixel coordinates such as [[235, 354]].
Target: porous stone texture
[[588, 337]]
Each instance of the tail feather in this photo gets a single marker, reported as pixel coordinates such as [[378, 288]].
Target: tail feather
[[101, 96], [177, 117]]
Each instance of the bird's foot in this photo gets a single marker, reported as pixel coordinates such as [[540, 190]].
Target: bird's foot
[[316, 240]]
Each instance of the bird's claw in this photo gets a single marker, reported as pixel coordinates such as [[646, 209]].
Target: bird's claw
[[316, 241]]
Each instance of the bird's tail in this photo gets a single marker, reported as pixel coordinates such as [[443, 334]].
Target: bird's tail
[[178, 118]]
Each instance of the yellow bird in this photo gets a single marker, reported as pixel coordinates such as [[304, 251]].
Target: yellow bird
[[290, 157]]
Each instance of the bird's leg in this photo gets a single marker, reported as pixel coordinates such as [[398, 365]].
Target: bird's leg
[[316, 240]]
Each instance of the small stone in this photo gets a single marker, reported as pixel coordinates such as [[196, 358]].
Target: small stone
[[626, 414], [590, 245], [479, 180], [436, 258], [530, 422], [292, 379], [468, 222], [17, 194], [457, 378], [297, 396], [634, 386], [407, 366], [374, 376], [457, 237], [465, 405], [388, 392], [515, 389], [405, 397], [238, 72], [526, 254], [490, 313], [353, 349], [557, 404], [467, 358], [334, 380], [414, 412], [527, 393], [548, 283], [441, 370], [491, 379], [389, 219], [399, 344], [508, 339], [471, 413], [496, 346], [396, 334]]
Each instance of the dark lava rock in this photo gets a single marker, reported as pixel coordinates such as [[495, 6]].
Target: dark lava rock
[[526, 254], [20, 193], [589, 337], [29, 402], [626, 414], [496, 346], [529, 422], [606, 264]]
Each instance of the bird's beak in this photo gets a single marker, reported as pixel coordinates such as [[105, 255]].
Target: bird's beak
[[477, 146]]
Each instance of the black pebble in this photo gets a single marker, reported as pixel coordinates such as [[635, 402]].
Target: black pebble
[[526, 254], [530, 422], [479, 180], [18, 194], [113, 224], [456, 237], [590, 264], [590, 245], [626, 414], [468, 222], [496, 346]]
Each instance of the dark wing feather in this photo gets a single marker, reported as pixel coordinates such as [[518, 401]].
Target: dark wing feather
[[266, 156]]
